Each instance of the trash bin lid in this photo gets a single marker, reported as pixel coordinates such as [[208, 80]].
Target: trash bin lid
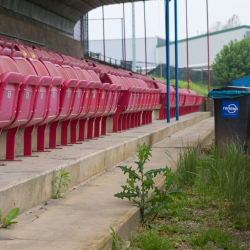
[[229, 92]]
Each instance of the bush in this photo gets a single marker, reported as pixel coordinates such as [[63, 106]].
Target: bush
[[233, 62]]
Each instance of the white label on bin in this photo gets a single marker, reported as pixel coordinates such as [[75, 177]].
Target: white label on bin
[[9, 94], [87, 95], [68, 95], [102, 95], [78, 95], [109, 96], [54, 94], [27, 95], [94, 95], [41, 95]]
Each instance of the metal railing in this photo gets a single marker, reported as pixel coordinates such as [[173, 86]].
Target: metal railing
[[140, 66]]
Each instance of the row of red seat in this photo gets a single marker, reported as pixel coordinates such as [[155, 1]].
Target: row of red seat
[[189, 101], [39, 86]]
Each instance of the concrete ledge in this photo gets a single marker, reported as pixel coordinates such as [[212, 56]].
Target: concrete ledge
[[20, 135], [27, 184]]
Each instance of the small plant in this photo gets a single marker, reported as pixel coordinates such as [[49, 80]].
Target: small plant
[[7, 221], [62, 182], [150, 205], [118, 243]]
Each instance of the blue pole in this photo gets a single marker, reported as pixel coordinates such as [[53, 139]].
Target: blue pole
[[167, 61], [176, 62]]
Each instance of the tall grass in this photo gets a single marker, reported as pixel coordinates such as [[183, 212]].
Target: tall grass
[[227, 177], [199, 87]]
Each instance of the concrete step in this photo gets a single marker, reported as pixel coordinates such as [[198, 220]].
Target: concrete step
[[27, 184], [82, 220]]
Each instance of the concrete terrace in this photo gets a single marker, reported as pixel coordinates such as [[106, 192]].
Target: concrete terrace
[[82, 220]]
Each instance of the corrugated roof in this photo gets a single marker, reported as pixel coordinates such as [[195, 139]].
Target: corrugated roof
[[74, 9]]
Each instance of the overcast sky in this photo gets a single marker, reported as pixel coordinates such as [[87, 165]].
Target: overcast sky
[[219, 10]]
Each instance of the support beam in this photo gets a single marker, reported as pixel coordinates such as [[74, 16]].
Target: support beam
[[187, 45], [103, 30], [176, 61], [122, 25], [124, 37], [145, 32], [133, 38], [82, 35], [167, 60], [208, 54]]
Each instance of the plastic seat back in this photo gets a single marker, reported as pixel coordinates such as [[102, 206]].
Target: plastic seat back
[[42, 92], [83, 75], [10, 82], [78, 94], [26, 94], [67, 93]]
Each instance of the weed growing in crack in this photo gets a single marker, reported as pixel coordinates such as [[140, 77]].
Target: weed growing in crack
[[7, 221], [61, 181]]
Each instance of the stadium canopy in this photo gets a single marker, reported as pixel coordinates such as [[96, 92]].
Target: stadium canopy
[[57, 15]]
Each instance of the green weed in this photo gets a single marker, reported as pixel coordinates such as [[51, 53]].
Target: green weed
[[118, 243], [61, 181], [156, 202], [7, 221]]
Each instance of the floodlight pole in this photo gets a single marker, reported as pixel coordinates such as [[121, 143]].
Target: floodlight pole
[[167, 60], [176, 62], [122, 40], [145, 32], [133, 37], [103, 33], [125, 62], [208, 54], [83, 43], [187, 45]]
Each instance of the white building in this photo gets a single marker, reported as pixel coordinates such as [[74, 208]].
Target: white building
[[198, 56], [113, 49]]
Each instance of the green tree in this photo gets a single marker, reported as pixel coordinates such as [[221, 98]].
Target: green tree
[[233, 62]]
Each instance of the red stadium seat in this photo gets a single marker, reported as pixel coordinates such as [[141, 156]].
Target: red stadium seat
[[77, 101], [53, 104], [38, 86], [25, 102], [66, 100], [199, 101], [88, 105], [39, 108]]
